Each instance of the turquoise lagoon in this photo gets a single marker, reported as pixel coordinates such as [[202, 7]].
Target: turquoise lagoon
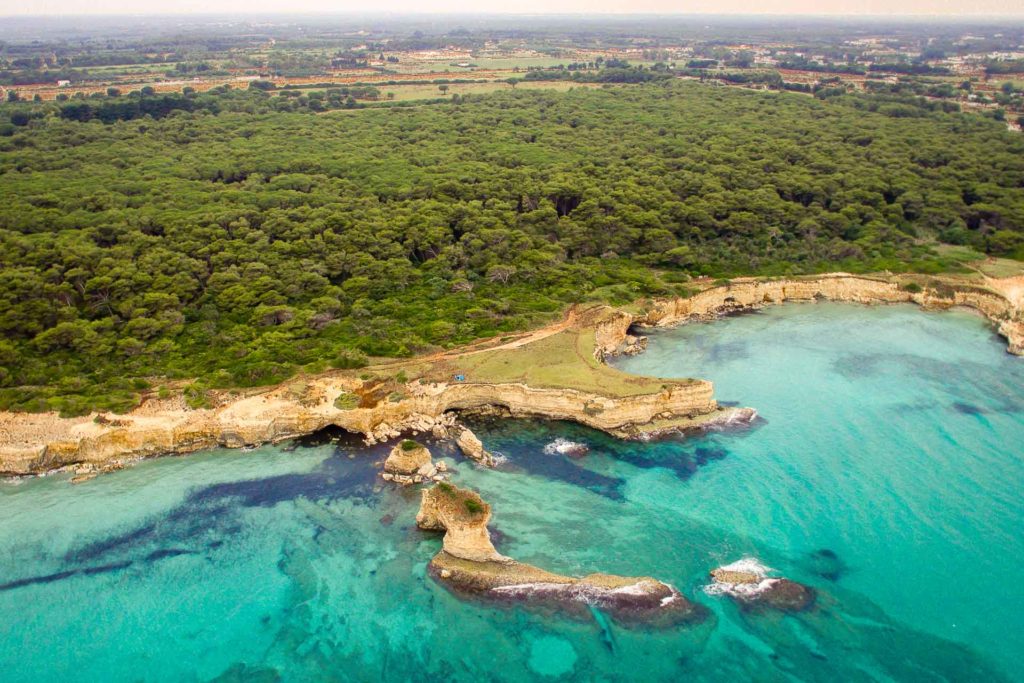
[[885, 471]]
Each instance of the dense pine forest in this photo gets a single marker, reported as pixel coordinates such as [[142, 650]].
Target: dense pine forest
[[237, 242]]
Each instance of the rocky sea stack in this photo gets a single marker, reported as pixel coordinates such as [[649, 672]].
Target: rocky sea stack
[[472, 447], [409, 462], [468, 564]]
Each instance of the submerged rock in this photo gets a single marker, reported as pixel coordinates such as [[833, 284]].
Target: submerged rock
[[826, 564], [244, 673], [469, 564], [788, 596], [472, 447], [573, 449], [725, 418], [748, 582]]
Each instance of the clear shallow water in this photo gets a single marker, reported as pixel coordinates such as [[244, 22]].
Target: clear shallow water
[[891, 438]]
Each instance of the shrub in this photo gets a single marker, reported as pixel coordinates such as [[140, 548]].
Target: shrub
[[196, 396], [473, 506], [346, 401], [348, 359], [912, 287], [410, 445]]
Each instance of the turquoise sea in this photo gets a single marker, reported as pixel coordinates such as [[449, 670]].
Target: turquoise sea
[[885, 470]]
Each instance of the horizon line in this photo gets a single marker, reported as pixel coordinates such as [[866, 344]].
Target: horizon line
[[497, 13]]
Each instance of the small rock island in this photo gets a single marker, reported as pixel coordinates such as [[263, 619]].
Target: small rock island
[[747, 581], [411, 463]]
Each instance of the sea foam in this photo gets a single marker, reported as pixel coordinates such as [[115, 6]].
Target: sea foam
[[562, 446], [746, 565]]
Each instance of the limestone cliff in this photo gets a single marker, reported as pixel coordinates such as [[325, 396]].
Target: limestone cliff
[[989, 298], [40, 442]]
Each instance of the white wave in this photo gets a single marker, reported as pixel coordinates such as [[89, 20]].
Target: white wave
[[735, 418], [562, 446], [631, 589], [751, 565], [745, 590], [573, 591], [580, 592], [740, 590]]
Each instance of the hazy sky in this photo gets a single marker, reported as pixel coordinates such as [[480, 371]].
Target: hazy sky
[[817, 7]]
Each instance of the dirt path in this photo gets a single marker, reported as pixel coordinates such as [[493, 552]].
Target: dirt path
[[518, 339]]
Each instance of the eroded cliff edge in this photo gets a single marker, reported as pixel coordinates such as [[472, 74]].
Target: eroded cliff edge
[[1000, 301], [554, 373]]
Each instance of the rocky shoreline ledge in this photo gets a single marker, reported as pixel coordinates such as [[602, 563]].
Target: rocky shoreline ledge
[[32, 443], [1000, 301], [468, 564]]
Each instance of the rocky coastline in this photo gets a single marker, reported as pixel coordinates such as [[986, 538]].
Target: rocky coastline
[[50, 442], [1000, 301], [33, 443]]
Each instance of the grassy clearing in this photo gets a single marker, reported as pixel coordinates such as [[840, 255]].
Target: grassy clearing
[[989, 266], [1000, 267], [563, 360]]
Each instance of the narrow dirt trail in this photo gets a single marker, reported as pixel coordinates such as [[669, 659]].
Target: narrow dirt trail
[[485, 345]]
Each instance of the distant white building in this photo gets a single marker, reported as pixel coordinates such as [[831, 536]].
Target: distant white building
[[63, 84]]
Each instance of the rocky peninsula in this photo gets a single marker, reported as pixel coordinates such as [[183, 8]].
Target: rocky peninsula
[[468, 564], [556, 372]]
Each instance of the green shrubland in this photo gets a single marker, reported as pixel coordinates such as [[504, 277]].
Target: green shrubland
[[238, 242]]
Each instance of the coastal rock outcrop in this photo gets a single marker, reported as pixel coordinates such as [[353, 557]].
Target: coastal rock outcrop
[[748, 582], [472, 447], [633, 345], [469, 564], [1014, 333], [409, 462]]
